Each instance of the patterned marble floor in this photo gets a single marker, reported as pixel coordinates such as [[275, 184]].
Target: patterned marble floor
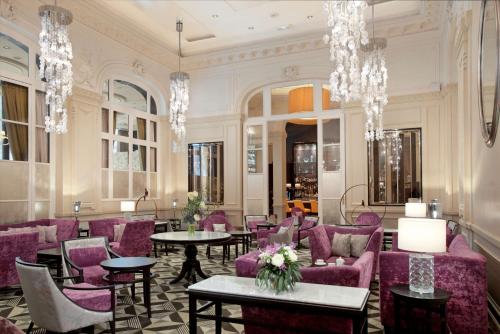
[[169, 302]]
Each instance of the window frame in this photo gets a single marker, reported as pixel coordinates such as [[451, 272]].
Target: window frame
[[132, 114], [33, 83]]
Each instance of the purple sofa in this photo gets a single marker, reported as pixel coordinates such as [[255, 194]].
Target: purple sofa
[[211, 220], [12, 245], [135, 239], [66, 229], [460, 271], [356, 275], [320, 242]]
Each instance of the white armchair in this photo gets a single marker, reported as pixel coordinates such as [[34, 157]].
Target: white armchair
[[77, 306]]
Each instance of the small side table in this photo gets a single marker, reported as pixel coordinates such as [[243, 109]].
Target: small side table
[[266, 226], [51, 255], [430, 302], [132, 265]]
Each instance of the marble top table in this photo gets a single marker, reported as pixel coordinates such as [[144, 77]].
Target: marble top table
[[312, 298], [191, 265]]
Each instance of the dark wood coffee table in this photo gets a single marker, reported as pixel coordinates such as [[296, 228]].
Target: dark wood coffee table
[[266, 226], [191, 265], [51, 255], [142, 265]]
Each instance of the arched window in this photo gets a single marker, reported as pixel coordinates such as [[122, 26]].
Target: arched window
[[129, 141], [25, 152]]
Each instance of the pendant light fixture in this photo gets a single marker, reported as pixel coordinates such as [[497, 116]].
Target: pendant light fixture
[[179, 97], [347, 33], [56, 54], [374, 85]]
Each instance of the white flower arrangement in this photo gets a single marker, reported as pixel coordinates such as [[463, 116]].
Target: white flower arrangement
[[280, 270]]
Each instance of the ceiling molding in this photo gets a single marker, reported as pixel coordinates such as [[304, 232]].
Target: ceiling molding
[[101, 19]]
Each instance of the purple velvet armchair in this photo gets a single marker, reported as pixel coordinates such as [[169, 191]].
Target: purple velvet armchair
[[304, 230], [12, 245], [251, 222], [320, 242], [460, 271], [356, 275], [210, 221], [135, 240], [66, 229], [104, 227], [368, 218], [287, 222]]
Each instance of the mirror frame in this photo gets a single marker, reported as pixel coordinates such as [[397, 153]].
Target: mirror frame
[[489, 136]]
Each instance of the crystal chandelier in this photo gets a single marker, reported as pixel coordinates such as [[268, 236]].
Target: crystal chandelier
[[55, 64], [374, 85], [179, 95], [347, 33]]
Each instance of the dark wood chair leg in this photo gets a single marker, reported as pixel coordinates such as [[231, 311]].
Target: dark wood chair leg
[[132, 290], [112, 326], [30, 327]]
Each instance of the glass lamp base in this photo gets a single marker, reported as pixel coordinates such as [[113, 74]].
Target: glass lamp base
[[421, 273]]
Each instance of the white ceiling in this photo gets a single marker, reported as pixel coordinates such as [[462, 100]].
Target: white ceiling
[[229, 21]]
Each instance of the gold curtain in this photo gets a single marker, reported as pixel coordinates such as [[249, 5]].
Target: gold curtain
[[15, 107]]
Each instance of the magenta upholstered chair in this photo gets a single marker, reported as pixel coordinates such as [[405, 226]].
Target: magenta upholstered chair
[[66, 229], [12, 245], [135, 240], [460, 271], [320, 242], [7, 327], [263, 234], [82, 258], [210, 221], [368, 218], [356, 275], [251, 222], [303, 231], [104, 227], [76, 306]]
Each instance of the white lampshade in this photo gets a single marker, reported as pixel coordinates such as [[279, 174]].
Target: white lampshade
[[422, 235], [127, 206], [418, 210]]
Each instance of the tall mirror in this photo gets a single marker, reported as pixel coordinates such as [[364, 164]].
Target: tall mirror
[[395, 167], [489, 67]]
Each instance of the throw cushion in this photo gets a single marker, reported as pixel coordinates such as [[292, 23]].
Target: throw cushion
[[51, 233], [341, 245], [358, 244], [219, 227], [88, 257], [118, 232]]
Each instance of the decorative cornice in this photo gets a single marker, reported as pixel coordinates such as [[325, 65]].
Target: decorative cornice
[[85, 100], [94, 15], [7, 10]]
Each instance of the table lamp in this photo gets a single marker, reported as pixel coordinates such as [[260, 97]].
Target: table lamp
[[422, 235], [127, 207], [416, 210]]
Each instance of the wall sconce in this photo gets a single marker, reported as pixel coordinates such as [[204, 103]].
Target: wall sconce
[[76, 209]]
